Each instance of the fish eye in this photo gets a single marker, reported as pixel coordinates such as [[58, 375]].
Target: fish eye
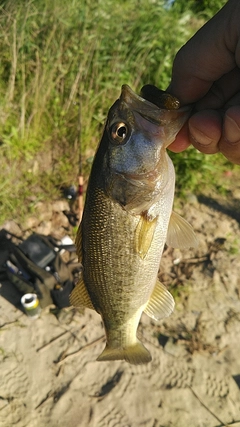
[[119, 132]]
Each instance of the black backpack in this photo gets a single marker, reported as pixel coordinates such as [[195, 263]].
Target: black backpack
[[36, 265]]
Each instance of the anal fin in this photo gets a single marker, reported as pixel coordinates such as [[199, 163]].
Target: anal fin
[[161, 303], [79, 297]]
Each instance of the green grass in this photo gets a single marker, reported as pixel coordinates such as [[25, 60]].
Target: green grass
[[61, 59]]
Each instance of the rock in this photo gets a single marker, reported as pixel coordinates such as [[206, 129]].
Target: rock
[[223, 227], [175, 349], [30, 223], [44, 228], [59, 220], [236, 193], [44, 211], [12, 227], [192, 198], [60, 205]]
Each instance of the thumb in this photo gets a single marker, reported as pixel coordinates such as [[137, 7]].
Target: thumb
[[209, 54]]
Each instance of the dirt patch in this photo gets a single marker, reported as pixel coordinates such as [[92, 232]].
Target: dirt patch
[[49, 375]]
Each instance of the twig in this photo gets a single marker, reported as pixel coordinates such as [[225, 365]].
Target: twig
[[9, 323], [232, 423], [51, 341], [74, 353], [194, 260], [80, 173], [49, 395], [209, 410]]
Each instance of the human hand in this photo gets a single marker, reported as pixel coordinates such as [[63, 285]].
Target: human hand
[[206, 72]]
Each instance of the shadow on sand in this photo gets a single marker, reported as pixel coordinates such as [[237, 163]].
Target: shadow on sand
[[230, 207]]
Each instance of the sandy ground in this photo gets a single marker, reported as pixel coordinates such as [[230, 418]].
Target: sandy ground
[[49, 376]]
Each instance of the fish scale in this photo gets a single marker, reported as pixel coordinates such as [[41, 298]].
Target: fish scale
[[109, 263], [126, 221], [116, 260]]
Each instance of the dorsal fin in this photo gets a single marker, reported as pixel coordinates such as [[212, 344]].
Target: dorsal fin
[[79, 297], [78, 242]]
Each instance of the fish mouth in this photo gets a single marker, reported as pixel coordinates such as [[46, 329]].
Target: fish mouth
[[169, 118], [169, 112]]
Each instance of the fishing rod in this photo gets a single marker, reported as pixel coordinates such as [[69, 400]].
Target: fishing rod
[[80, 170]]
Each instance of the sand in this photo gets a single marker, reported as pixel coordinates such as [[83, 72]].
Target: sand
[[50, 377]]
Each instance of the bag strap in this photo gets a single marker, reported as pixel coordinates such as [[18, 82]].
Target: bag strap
[[33, 269]]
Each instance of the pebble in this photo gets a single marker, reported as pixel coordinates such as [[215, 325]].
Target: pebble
[[12, 227], [44, 228], [60, 206], [30, 223]]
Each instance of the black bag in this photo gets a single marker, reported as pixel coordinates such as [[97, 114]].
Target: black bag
[[36, 266]]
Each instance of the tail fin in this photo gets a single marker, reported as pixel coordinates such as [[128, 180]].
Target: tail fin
[[135, 354]]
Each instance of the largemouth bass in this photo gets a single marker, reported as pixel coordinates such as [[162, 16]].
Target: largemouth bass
[[128, 218]]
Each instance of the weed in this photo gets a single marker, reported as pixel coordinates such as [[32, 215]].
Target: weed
[[58, 57]]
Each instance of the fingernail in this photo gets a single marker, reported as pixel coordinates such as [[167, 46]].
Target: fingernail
[[199, 137], [231, 130]]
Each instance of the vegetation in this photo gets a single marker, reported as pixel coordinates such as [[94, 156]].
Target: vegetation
[[206, 8], [62, 65]]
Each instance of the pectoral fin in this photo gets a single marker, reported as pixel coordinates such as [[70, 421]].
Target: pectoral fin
[[180, 233], [161, 303], [144, 235], [79, 297]]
